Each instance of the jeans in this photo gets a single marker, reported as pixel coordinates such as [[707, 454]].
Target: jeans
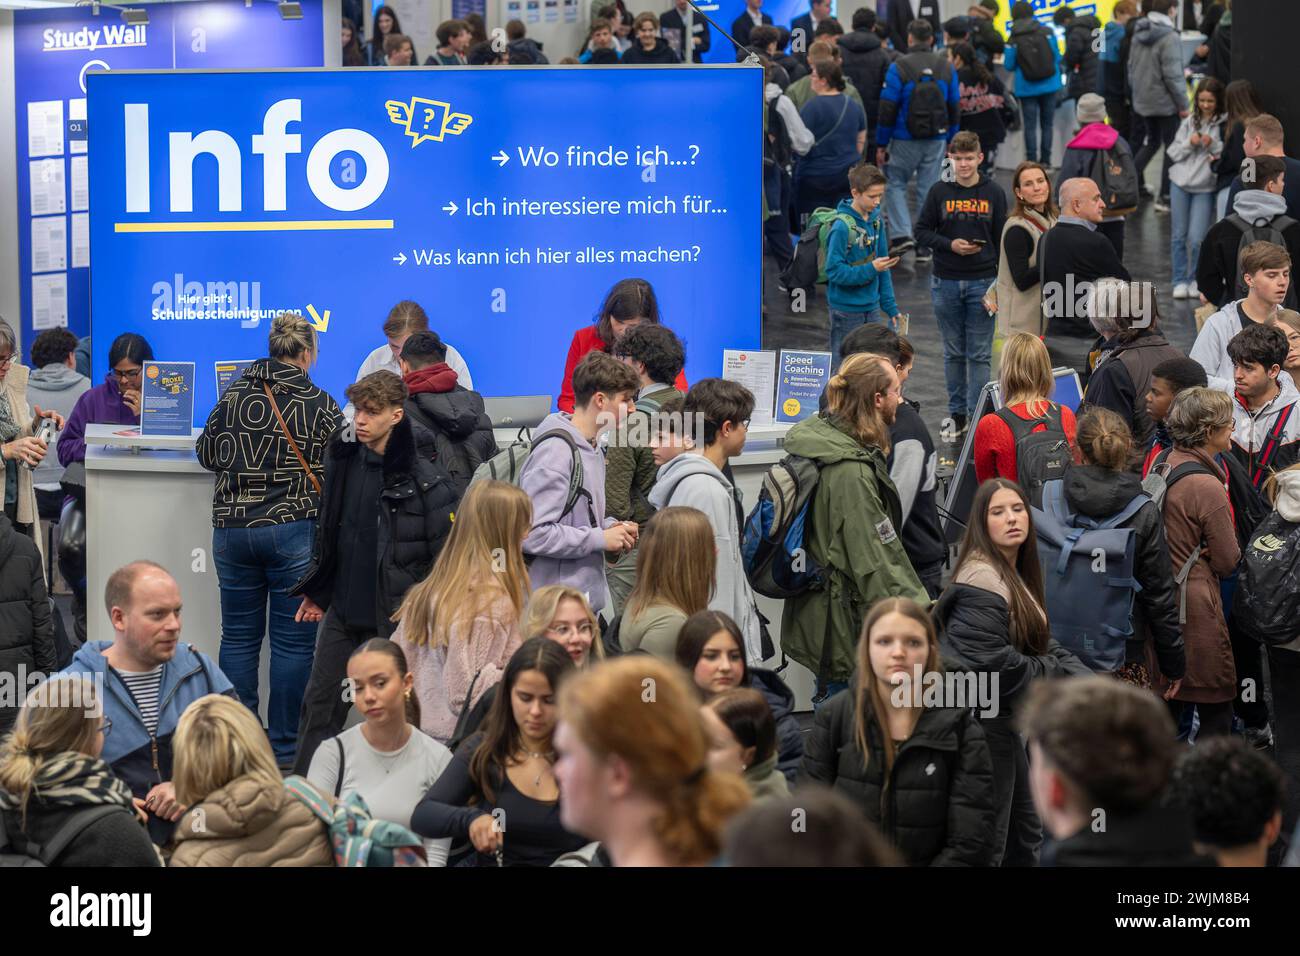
[[776, 228], [254, 566], [1018, 833], [1190, 220], [842, 323], [924, 157], [325, 706], [967, 331], [1039, 114], [1158, 131]]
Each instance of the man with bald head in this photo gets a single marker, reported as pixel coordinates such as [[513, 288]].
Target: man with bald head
[[147, 678], [1072, 255]]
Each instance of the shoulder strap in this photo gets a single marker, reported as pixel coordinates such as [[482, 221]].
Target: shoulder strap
[[71, 829], [1238, 221], [1271, 446], [1040, 250], [284, 430], [343, 762], [1021, 428], [575, 475], [1182, 471]]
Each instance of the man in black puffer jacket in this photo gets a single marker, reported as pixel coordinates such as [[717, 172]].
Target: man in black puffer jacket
[[865, 62], [26, 631], [1082, 51], [453, 416], [386, 510], [937, 802]]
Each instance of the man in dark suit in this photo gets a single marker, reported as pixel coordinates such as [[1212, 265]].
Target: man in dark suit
[[804, 27], [749, 18]]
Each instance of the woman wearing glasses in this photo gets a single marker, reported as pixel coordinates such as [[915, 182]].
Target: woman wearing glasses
[[51, 773], [115, 402]]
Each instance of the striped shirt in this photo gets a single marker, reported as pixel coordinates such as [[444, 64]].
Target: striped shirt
[[144, 687]]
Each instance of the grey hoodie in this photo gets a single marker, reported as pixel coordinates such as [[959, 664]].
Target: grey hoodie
[[692, 481], [54, 388], [1155, 68], [567, 549], [1257, 206]]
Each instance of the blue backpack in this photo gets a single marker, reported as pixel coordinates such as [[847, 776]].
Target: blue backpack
[[774, 550], [1088, 577]]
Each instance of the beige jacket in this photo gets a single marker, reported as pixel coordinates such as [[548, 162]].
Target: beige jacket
[[1019, 311], [250, 823], [14, 387]]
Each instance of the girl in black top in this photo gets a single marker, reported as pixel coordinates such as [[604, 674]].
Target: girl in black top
[[499, 793]]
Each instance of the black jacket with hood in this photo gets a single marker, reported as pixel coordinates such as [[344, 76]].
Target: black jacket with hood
[[416, 506], [454, 416], [661, 52], [1081, 59], [865, 63], [1123, 375], [26, 629], [1100, 493], [937, 804], [258, 478], [1151, 837], [780, 700]]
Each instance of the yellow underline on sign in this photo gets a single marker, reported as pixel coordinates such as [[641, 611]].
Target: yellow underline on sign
[[287, 225]]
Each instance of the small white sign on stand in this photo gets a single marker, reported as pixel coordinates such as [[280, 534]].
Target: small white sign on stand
[[756, 370]]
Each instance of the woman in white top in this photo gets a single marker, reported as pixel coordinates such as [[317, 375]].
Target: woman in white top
[[385, 759]]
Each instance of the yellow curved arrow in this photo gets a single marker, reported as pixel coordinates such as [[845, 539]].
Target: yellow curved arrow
[[319, 323]]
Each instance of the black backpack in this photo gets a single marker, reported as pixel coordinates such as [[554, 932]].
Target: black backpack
[[1041, 456], [1034, 54], [1115, 174], [1271, 231], [778, 148], [927, 111], [1266, 602], [36, 854]]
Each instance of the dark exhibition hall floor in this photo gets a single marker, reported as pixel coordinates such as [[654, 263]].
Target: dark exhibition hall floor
[[1146, 255]]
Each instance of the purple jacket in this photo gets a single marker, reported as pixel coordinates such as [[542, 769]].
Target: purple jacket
[[570, 549], [102, 405]]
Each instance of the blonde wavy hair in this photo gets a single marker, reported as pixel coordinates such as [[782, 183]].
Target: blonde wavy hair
[[545, 603], [851, 397], [59, 715], [217, 741]]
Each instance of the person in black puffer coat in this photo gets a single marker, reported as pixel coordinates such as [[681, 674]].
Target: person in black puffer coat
[[1102, 486], [725, 668], [865, 61], [1082, 60], [51, 778], [26, 628], [453, 415], [993, 624], [927, 780]]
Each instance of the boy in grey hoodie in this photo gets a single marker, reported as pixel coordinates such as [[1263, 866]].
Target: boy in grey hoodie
[[567, 544], [54, 385], [694, 479]]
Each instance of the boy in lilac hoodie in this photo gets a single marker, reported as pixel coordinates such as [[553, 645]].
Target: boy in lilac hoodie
[[567, 546]]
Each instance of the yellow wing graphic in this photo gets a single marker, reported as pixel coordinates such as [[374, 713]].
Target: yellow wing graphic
[[457, 123], [399, 113]]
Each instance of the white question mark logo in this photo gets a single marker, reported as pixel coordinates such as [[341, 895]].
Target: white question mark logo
[[428, 116], [695, 151]]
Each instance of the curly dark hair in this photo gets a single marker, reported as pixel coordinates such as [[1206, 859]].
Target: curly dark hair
[[1229, 789], [52, 347], [655, 345]]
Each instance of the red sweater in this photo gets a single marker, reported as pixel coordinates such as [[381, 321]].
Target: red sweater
[[995, 447], [587, 339]]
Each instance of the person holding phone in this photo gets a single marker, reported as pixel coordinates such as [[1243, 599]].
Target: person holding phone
[[962, 221], [857, 263]]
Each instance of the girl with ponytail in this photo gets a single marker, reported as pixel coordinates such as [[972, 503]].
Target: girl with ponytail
[[386, 759], [634, 766], [51, 772], [1100, 487]]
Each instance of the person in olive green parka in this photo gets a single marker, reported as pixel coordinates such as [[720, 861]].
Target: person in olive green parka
[[855, 518]]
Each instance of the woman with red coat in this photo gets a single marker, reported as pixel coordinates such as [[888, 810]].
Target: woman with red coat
[[1025, 381], [630, 302]]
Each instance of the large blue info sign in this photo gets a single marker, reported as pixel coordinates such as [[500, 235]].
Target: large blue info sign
[[506, 201]]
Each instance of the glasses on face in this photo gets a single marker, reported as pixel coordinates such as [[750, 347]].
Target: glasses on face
[[126, 375], [565, 631], [7, 360]]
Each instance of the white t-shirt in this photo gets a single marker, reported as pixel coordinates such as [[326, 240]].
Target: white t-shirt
[[390, 783], [382, 359]]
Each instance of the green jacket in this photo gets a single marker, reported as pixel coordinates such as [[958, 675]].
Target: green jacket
[[630, 464], [801, 91], [856, 515]]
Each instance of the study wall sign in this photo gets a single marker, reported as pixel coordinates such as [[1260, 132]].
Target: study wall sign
[[505, 201]]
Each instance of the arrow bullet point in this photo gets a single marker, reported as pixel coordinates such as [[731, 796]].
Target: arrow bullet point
[[320, 322], [501, 158], [400, 258], [451, 207]]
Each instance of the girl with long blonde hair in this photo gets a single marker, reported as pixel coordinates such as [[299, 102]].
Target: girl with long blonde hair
[[459, 626]]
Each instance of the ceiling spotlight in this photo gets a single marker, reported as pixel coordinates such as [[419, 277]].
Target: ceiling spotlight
[[135, 16], [290, 10]]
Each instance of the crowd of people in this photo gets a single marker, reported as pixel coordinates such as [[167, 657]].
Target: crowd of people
[[552, 653]]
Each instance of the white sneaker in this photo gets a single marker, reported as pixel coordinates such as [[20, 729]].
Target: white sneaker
[[1192, 291], [1180, 291]]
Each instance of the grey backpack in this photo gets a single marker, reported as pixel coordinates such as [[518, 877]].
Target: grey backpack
[[44, 854], [1157, 483]]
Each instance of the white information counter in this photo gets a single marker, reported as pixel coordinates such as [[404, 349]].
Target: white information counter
[[149, 498]]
